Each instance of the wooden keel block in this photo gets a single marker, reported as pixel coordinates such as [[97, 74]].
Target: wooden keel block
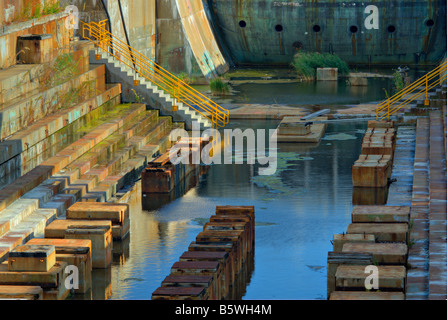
[[101, 238], [391, 278], [389, 232], [32, 258], [115, 212], [340, 239], [336, 259], [227, 247], [383, 253], [192, 281], [180, 293], [384, 214], [74, 252], [210, 268], [222, 257], [226, 236], [21, 293], [226, 218], [230, 226], [56, 229]]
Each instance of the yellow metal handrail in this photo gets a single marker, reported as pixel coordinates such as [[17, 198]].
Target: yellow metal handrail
[[415, 90], [163, 79]]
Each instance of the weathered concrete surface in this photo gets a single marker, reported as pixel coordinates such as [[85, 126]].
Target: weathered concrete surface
[[327, 74], [383, 253], [52, 24], [293, 129], [339, 240], [395, 232]]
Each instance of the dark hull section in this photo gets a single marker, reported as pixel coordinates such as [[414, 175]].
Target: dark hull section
[[259, 32]]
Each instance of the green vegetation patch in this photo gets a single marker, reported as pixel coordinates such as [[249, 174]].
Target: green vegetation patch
[[217, 86], [306, 64]]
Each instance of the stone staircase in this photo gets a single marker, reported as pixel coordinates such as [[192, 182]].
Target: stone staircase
[[157, 98], [87, 151]]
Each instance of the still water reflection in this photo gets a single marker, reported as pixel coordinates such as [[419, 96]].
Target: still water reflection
[[297, 212]]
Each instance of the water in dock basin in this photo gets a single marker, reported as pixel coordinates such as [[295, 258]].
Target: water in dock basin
[[297, 211]]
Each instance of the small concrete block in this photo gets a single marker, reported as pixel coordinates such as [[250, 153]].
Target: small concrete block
[[327, 74], [32, 258]]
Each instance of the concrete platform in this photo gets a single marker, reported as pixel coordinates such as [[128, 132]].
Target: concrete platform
[[285, 131], [392, 278], [389, 232], [359, 295], [383, 253], [391, 214]]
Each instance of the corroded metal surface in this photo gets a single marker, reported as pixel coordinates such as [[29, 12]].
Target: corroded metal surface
[[271, 32]]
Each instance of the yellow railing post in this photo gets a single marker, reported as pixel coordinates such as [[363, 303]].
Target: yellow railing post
[[154, 73]]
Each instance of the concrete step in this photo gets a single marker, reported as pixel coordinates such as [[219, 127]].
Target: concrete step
[[31, 226], [22, 111], [18, 80], [27, 148], [160, 100], [107, 179], [110, 124]]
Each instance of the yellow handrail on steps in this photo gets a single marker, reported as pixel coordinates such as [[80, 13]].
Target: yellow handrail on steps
[[163, 79], [415, 90]]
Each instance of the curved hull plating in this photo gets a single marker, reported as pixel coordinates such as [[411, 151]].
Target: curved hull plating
[[377, 32]]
